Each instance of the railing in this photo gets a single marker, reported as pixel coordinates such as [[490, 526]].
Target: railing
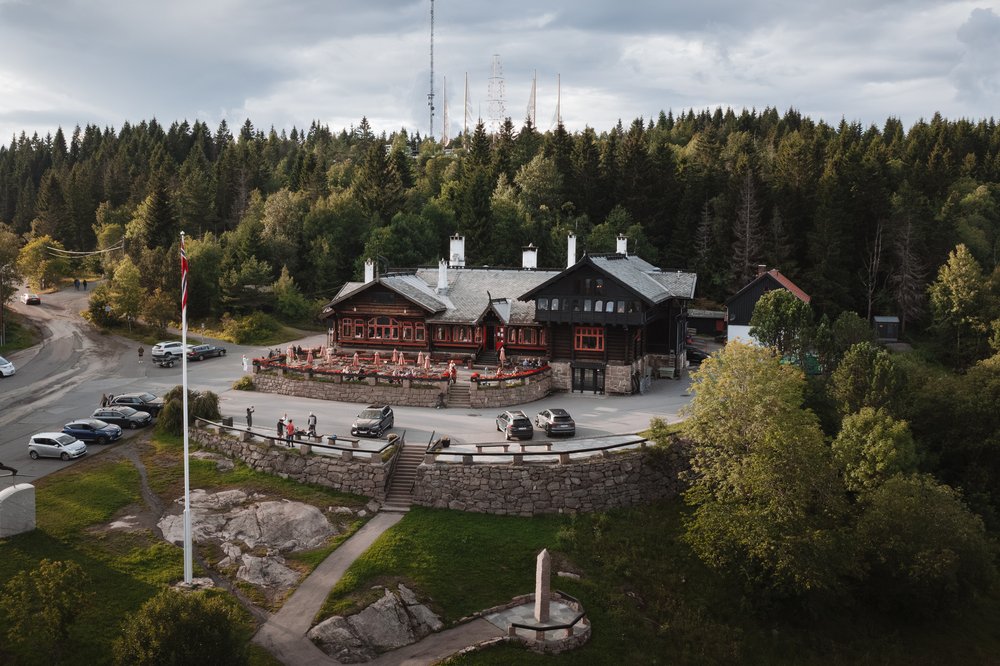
[[487, 380], [468, 457], [347, 452], [352, 375], [540, 631], [399, 442]]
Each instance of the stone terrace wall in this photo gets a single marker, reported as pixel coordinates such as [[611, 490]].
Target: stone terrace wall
[[366, 392], [627, 478], [359, 476], [513, 392]]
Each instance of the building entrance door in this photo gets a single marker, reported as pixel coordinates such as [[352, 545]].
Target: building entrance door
[[489, 337], [588, 380]]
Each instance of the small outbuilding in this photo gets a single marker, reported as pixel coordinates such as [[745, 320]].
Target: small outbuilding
[[740, 306], [886, 328]]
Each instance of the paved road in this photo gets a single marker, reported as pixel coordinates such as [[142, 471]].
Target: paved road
[[64, 377]]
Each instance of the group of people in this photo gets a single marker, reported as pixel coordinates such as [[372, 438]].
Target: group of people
[[106, 399], [286, 427], [76, 284]]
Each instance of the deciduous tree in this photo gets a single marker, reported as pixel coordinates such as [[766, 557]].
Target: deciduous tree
[[871, 447]]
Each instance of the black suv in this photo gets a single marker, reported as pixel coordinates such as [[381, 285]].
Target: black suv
[[373, 421], [143, 402], [515, 424]]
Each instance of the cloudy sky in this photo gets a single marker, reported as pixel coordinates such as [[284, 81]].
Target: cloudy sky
[[285, 63]]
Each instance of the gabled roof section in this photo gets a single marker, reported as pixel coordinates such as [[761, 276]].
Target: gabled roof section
[[635, 274], [409, 287], [466, 296], [775, 275]]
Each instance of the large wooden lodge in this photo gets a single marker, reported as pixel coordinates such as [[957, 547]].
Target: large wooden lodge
[[604, 323]]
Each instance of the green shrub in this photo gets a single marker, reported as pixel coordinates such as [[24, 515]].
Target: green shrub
[[250, 329], [244, 383], [201, 404], [183, 628]]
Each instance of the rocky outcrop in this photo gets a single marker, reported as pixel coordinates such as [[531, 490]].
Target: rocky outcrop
[[395, 620], [253, 533]]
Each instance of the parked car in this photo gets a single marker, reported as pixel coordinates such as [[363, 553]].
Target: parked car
[[556, 422], [166, 353], [55, 445], [514, 424], [30, 299], [93, 430], [126, 417], [143, 402], [6, 367], [373, 421], [201, 352], [696, 355]]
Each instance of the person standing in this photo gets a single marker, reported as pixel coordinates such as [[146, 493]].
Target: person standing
[[311, 422], [76, 283], [249, 417], [245, 363], [281, 427], [85, 285], [141, 352], [289, 432]]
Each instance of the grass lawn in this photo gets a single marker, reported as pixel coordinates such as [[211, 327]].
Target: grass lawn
[[649, 599], [20, 333], [125, 568]]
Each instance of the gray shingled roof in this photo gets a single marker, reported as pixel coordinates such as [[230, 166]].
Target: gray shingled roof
[[646, 278], [466, 296]]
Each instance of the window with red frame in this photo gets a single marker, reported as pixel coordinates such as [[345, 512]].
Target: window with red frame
[[407, 332], [588, 338], [419, 332], [359, 328], [346, 327], [383, 328]]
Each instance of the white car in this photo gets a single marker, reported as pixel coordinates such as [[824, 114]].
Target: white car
[[165, 353], [55, 445], [6, 367]]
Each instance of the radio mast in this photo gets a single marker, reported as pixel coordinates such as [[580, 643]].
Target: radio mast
[[444, 123], [532, 102], [496, 95], [430, 95]]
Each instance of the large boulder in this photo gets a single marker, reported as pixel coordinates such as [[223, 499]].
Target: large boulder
[[266, 572], [278, 523], [395, 620]]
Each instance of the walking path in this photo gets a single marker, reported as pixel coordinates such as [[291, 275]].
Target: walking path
[[284, 633]]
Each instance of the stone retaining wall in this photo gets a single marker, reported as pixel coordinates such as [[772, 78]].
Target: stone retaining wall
[[511, 391], [358, 476], [626, 478], [365, 392]]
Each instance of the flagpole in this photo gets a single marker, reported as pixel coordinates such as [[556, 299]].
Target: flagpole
[[184, 398]]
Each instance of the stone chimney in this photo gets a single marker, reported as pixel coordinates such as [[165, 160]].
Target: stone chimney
[[442, 276], [761, 269], [622, 247], [369, 271], [529, 256], [456, 251], [570, 250]]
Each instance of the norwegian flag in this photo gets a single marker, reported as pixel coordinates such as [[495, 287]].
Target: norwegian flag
[[184, 276]]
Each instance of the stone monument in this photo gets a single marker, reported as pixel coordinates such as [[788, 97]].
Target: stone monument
[[543, 571]]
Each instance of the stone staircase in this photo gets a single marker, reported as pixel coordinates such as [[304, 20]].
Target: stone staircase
[[458, 395], [488, 358], [400, 493]]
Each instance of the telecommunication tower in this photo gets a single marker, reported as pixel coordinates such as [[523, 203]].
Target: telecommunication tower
[[430, 95], [444, 122], [496, 111], [532, 101]]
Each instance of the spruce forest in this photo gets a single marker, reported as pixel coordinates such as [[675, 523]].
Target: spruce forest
[[860, 218]]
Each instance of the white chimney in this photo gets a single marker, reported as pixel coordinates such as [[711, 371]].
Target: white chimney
[[570, 250], [442, 276], [622, 244], [456, 252], [529, 256], [369, 271]]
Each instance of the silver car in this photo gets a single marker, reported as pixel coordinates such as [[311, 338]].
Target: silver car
[[6, 367], [55, 445]]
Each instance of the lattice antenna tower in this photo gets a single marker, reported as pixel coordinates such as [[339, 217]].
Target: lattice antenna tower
[[430, 95], [496, 109], [444, 122], [532, 101]]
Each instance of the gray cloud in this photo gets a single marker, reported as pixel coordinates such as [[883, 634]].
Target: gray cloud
[[69, 62]]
